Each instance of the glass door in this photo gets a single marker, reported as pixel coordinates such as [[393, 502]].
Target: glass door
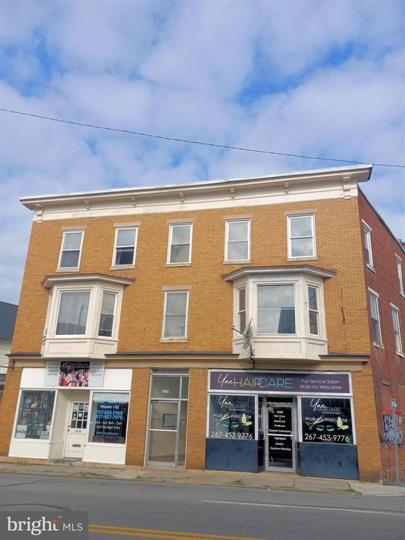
[[279, 431], [77, 429], [167, 419]]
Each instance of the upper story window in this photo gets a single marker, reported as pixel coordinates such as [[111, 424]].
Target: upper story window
[[107, 313], [71, 248], [179, 249], [313, 310], [398, 261], [301, 236], [175, 315], [275, 309], [368, 249], [375, 318], [242, 309], [237, 240], [397, 330], [72, 313], [125, 246]]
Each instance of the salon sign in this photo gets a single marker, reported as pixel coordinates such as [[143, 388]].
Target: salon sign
[[280, 382]]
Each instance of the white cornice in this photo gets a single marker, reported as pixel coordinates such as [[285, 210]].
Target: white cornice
[[64, 279], [275, 270], [129, 200]]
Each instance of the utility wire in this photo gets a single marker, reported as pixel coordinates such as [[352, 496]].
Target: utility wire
[[191, 141]]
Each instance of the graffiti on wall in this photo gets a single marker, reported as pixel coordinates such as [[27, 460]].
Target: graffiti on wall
[[392, 429]]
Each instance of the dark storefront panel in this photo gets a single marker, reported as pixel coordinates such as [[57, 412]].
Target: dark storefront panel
[[328, 460], [232, 455]]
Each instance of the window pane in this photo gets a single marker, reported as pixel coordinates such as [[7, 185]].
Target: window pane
[[108, 303], [175, 326], [181, 234], [69, 259], [181, 455], [108, 421], [242, 321], [163, 415], [373, 307], [162, 446], [179, 253], [35, 415], [184, 388], [276, 296], [232, 417], [124, 256], [165, 387], [73, 313], [242, 299], [312, 300], [300, 226], [302, 247], [237, 231], [276, 321], [313, 322], [72, 240], [125, 237], [237, 251], [176, 303]]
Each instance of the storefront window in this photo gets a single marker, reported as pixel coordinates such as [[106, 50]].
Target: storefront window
[[232, 417], [326, 420], [35, 415], [108, 421]]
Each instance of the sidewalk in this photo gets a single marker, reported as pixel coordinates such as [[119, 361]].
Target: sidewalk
[[265, 480]]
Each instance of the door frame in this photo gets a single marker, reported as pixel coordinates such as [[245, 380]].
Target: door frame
[[265, 419]]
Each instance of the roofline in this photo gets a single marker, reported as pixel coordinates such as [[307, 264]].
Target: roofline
[[362, 172], [288, 269]]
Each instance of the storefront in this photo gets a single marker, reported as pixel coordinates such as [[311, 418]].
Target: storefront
[[72, 410], [281, 421]]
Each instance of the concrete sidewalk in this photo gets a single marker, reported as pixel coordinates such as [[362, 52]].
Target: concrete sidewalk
[[264, 480]]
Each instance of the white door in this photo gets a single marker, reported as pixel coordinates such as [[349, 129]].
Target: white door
[[77, 429]]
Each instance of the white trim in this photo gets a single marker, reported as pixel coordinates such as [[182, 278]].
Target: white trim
[[175, 338], [70, 268], [115, 266], [170, 239], [100, 304], [399, 350], [373, 293], [313, 236], [17, 411], [226, 246], [400, 274]]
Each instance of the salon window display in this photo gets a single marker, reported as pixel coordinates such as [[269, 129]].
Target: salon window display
[[35, 415], [326, 420], [232, 417]]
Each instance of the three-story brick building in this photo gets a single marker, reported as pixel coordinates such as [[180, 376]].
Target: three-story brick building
[[250, 324]]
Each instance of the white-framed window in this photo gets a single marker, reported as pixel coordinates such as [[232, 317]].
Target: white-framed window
[[275, 309], [397, 330], [242, 309], [398, 261], [107, 313], [237, 240], [375, 318], [368, 248], [301, 236], [125, 246], [313, 310], [179, 246], [71, 248], [175, 315], [72, 313]]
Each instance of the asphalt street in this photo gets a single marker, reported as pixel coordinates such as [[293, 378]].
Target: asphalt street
[[139, 509]]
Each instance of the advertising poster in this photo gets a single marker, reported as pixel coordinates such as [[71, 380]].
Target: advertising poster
[[110, 422], [74, 374], [232, 417], [326, 420]]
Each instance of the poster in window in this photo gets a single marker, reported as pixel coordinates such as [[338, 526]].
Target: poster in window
[[35, 415], [109, 421], [74, 374], [232, 417], [326, 420]]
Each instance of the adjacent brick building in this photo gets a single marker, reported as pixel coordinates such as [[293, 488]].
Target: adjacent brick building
[[221, 325]]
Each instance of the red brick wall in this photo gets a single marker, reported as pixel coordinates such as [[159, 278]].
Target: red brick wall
[[388, 367]]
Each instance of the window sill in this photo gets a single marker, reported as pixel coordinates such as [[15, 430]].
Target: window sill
[[173, 340], [401, 355], [378, 345], [306, 258], [123, 267], [178, 264], [371, 268], [241, 261], [72, 269]]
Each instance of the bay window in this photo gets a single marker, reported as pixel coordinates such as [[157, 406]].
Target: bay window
[[107, 314], [72, 315], [242, 310], [313, 312]]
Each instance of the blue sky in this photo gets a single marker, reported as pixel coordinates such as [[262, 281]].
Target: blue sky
[[307, 77]]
